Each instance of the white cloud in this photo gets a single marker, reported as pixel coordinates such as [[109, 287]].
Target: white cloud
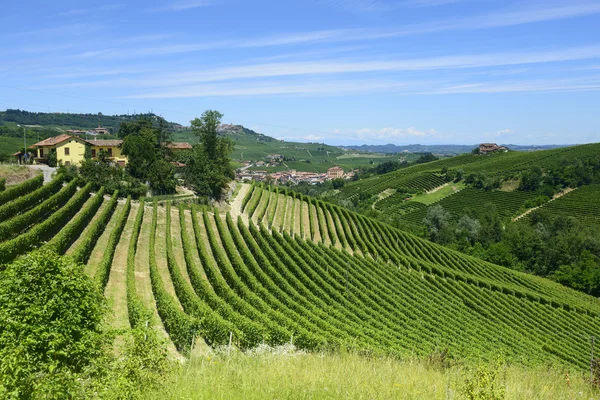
[[182, 5], [313, 138], [504, 132]]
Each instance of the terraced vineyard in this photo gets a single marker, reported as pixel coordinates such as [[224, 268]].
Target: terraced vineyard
[[582, 203], [281, 267], [469, 163], [507, 203]]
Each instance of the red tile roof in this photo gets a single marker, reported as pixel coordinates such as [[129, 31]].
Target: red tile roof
[[105, 143], [179, 146], [53, 140]]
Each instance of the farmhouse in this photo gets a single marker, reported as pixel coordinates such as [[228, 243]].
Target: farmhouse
[[485, 148], [70, 150]]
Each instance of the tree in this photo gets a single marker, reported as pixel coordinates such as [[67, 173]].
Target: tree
[[143, 146], [338, 183], [439, 225], [209, 169]]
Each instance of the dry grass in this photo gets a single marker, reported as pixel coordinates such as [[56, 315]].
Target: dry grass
[[15, 174]]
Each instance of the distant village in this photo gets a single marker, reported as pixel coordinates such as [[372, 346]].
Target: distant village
[[288, 177]]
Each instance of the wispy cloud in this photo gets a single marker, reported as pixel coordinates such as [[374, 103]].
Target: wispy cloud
[[182, 5], [506, 18], [82, 11], [336, 67]]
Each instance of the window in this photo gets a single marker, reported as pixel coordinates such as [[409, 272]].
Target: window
[[93, 153], [67, 163], [66, 151], [41, 153], [110, 151]]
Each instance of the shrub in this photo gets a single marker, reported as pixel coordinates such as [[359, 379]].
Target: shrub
[[51, 329]]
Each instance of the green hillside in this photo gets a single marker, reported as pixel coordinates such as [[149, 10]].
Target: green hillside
[[249, 145], [280, 267], [488, 172]]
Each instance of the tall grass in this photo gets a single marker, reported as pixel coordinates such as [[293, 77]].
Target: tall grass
[[282, 374]]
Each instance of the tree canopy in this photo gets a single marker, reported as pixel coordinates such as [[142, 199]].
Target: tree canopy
[[208, 169]]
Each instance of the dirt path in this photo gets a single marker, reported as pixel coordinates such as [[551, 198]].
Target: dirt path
[[83, 233], [143, 285], [236, 204], [315, 220], [438, 188], [160, 248], [556, 196], [98, 251], [116, 292]]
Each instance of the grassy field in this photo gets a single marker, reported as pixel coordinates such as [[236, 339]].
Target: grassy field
[[440, 193], [282, 374]]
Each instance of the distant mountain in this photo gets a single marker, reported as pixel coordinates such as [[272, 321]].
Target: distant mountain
[[444, 149]]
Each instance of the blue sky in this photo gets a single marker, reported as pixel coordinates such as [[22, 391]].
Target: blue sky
[[333, 71]]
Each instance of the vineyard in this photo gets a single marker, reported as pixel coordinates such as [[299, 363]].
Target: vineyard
[[506, 203], [282, 267], [582, 204], [469, 163]]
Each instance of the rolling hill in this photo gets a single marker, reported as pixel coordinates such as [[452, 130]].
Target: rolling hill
[[391, 188], [279, 266]]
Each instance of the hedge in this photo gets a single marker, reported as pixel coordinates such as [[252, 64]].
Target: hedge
[[103, 268], [61, 242], [20, 205], [82, 252], [21, 189], [21, 244], [18, 224]]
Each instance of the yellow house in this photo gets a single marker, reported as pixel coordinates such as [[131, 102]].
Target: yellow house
[[70, 150], [111, 147]]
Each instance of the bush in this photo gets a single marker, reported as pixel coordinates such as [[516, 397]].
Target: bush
[[51, 329]]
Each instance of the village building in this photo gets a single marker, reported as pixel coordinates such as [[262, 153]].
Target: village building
[[485, 148], [335, 172]]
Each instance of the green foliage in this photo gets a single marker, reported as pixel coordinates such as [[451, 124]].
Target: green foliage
[[52, 327], [19, 223], [20, 205], [68, 234], [2, 184], [486, 382], [182, 328], [21, 189], [9, 250], [138, 313], [52, 159], [100, 172], [143, 146], [208, 170], [82, 253]]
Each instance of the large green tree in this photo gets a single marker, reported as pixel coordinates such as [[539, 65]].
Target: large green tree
[[208, 170], [143, 144]]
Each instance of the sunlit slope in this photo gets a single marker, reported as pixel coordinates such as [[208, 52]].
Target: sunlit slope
[[281, 267], [582, 203], [511, 161]]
